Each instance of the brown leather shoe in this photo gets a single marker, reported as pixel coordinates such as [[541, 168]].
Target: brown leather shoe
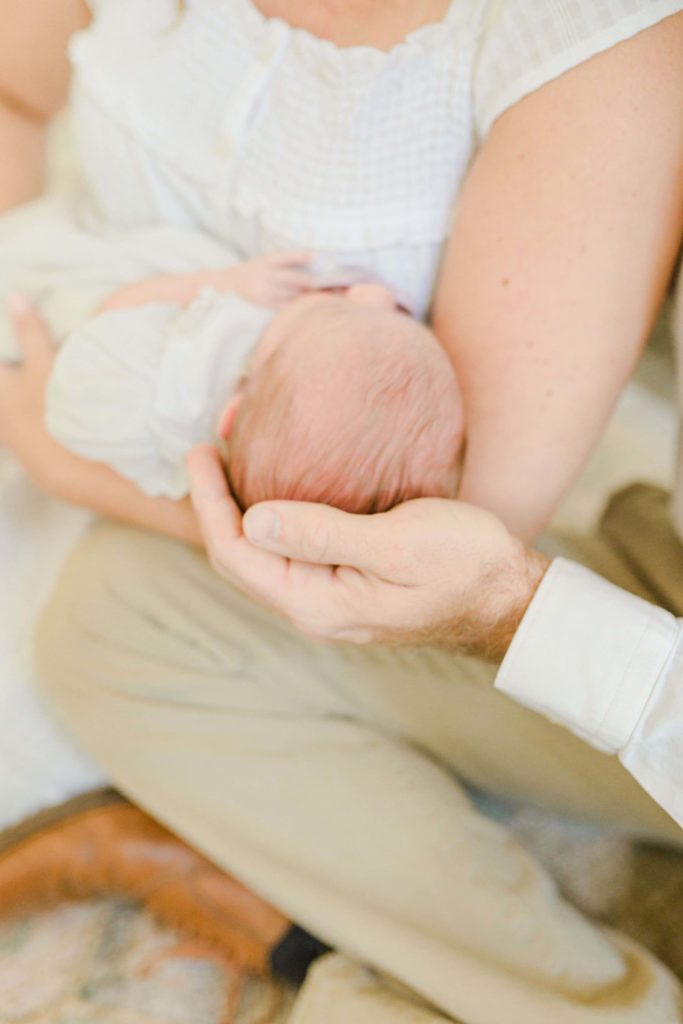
[[107, 847]]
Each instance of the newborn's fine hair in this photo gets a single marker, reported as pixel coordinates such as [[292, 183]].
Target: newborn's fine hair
[[357, 408]]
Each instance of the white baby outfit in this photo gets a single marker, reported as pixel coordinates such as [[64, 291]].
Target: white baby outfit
[[133, 388], [137, 389], [69, 265]]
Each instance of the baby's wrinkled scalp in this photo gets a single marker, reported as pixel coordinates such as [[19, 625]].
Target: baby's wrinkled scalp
[[357, 408]]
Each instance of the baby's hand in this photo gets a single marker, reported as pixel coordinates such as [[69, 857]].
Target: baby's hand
[[274, 280]]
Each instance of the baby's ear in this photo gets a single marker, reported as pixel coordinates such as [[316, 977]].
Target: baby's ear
[[227, 417]]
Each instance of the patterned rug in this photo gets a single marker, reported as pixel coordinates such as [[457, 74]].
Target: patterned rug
[[106, 962], [634, 887]]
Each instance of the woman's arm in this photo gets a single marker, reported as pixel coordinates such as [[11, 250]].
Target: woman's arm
[[95, 486], [58, 471], [34, 77], [180, 289], [565, 237]]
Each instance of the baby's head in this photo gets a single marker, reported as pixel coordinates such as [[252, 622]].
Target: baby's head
[[348, 402]]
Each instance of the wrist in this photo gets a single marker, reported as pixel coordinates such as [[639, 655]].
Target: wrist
[[51, 468], [523, 586], [503, 595]]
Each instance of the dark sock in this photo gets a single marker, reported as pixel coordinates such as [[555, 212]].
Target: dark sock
[[295, 953]]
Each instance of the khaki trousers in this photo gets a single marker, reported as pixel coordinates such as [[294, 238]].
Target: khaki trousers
[[323, 776]]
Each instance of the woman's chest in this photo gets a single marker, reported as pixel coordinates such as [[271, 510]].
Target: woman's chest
[[382, 24], [241, 125]]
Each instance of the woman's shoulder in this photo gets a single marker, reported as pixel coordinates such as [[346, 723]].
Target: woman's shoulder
[[522, 44], [33, 54]]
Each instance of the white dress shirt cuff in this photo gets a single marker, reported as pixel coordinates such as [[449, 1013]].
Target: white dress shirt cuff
[[587, 655]]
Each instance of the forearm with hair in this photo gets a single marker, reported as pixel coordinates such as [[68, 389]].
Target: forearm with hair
[[487, 630], [490, 616]]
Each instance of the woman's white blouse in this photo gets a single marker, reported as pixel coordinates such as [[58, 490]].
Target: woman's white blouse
[[268, 137]]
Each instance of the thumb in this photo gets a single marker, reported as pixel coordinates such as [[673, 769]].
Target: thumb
[[219, 516], [30, 330], [318, 534]]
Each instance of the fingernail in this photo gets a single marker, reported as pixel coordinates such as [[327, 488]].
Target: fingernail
[[261, 524], [18, 303]]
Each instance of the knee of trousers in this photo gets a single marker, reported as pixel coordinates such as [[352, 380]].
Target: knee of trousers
[[89, 615], [142, 617]]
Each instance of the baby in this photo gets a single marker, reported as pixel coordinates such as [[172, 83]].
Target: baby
[[336, 397], [329, 394]]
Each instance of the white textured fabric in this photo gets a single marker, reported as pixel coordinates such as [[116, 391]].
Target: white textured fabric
[[595, 631], [608, 666], [524, 43], [138, 388], [269, 137], [69, 264], [654, 752]]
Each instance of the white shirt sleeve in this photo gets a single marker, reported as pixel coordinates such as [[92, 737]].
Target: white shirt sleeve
[[608, 666]]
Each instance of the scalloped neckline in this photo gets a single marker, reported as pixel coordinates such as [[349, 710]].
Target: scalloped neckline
[[417, 35]]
